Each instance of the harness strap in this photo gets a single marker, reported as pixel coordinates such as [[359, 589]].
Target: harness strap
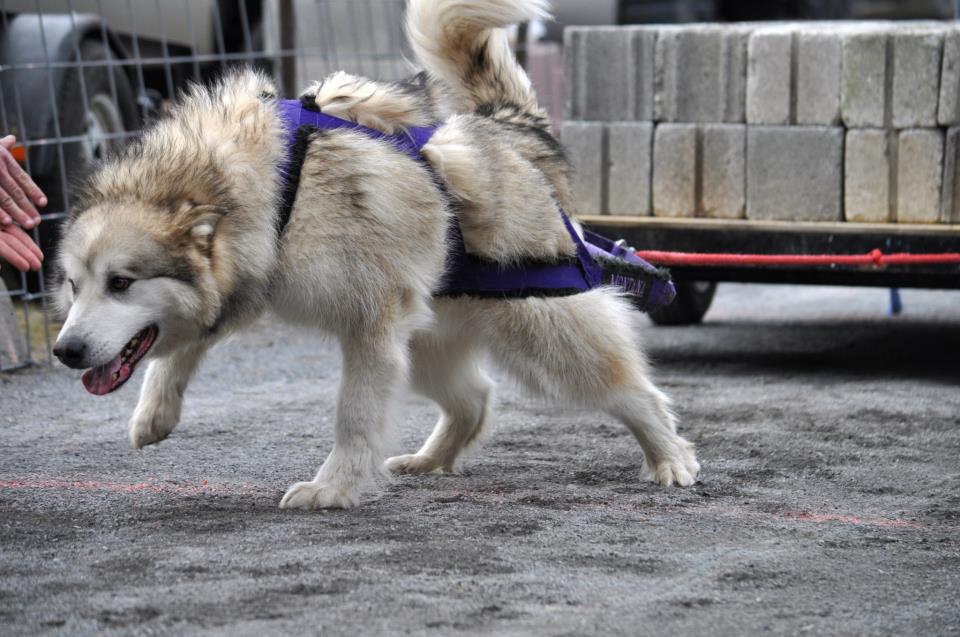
[[297, 114], [468, 274], [598, 260], [299, 120]]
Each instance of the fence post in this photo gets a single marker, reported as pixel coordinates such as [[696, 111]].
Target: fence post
[[522, 43], [288, 61]]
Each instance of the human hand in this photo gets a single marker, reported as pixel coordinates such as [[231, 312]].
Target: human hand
[[18, 194], [18, 249]]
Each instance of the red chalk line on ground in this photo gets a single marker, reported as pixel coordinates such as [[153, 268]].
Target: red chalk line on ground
[[741, 511], [811, 516]]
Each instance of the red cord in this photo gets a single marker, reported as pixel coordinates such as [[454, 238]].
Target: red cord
[[875, 258]]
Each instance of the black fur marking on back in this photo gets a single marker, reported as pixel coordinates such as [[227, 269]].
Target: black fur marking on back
[[545, 137], [481, 61], [512, 116], [413, 85], [487, 110], [301, 145], [479, 72], [418, 87], [309, 102]]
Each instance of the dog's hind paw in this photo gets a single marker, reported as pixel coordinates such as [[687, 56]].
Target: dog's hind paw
[[413, 463], [316, 495]]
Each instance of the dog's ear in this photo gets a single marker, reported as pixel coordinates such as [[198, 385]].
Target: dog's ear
[[201, 220], [205, 227]]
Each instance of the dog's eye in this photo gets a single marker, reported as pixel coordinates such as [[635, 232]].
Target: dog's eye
[[73, 286], [119, 283]]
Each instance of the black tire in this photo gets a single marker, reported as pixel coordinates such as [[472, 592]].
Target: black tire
[[823, 9], [231, 21], [263, 64], [78, 116], [737, 10], [692, 302], [100, 112]]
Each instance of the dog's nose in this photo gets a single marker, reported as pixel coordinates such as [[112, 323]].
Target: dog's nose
[[71, 352]]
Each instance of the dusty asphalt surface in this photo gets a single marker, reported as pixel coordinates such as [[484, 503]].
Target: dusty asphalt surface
[[829, 502]]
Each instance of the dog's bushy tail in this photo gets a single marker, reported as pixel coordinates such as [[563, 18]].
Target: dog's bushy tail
[[463, 44]]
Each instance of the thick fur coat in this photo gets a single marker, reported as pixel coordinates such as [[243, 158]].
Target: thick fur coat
[[174, 245]]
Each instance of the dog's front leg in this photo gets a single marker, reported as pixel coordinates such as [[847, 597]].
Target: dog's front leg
[[372, 369], [161, 397]]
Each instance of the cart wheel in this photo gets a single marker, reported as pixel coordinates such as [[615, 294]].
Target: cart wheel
[[103, 118], [692, 302]]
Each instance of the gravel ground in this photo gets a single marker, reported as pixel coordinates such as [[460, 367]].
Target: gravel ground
[[829, 502]]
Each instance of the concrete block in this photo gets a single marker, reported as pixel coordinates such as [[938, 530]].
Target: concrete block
[[630, 168], [863, 83], [917, 56], [818, 64], [13, 347], [675, 170], [584, 142], [609, 73], [948, 110], [795, 173], [700, 74], [919, 175], [643, 43], [769, 55], [950, 197], [723, 171], [867, 176]]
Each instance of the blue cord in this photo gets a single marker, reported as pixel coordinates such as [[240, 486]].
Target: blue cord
[[896, 303]]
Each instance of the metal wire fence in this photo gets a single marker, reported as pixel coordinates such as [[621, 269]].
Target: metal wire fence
[[79, 78]]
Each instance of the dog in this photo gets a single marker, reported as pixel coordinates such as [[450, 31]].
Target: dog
[[174, 244]]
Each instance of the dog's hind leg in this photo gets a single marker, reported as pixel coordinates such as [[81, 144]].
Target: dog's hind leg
[[447, 370], [582, 349], [161, 397], [645, 410]]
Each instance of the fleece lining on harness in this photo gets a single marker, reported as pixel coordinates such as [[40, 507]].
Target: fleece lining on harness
[[598, 260]]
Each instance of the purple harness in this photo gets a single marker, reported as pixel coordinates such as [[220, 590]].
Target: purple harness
[[599, 261]]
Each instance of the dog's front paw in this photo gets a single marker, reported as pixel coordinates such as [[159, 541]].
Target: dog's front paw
[[680, 468], [413, 463], [668, 473], [317, 495], [153, 424]]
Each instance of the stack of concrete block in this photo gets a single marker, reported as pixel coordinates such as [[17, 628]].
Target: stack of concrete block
[[808, 121]]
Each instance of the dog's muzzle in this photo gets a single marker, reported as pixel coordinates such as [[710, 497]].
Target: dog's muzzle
[[71, 352]]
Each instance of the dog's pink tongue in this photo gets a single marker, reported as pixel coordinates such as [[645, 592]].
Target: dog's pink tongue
[[101, 380]]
